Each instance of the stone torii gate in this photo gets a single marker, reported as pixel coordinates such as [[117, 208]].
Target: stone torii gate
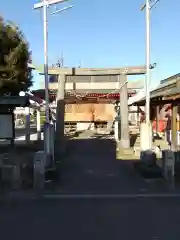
[[121, 76]]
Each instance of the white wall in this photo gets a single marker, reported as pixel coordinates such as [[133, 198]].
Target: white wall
[[96, 85]]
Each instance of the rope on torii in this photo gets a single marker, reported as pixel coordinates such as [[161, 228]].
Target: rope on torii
[[105, 95]]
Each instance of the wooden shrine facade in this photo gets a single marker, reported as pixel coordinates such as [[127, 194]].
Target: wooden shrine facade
[[165, 100]]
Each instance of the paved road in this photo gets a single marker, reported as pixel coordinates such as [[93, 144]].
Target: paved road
[[91, 167], [141, 219]]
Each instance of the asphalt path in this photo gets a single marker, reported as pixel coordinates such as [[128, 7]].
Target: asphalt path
[[91, 167], [141, 219]]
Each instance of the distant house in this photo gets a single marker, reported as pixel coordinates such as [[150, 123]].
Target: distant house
[[167, 91]]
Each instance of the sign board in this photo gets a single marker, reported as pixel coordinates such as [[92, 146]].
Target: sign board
[[6, 126]]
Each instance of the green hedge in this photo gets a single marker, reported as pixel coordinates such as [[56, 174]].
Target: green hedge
[[43, 118]]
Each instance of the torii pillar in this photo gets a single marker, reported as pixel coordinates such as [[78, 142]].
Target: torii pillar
[[124, 141], [60, 112]]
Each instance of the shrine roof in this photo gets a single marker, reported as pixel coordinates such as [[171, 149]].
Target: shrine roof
[[14, 100]]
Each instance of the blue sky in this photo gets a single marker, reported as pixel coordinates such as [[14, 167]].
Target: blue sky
[[102, 33]]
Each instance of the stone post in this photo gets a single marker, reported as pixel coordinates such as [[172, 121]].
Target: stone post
[[38, 124], [174, 127], [125, 141], [27, 125], [60, 111], [39, 171], [157, 119], [117, 129]]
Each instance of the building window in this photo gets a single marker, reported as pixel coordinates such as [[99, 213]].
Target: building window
[[53, 78]]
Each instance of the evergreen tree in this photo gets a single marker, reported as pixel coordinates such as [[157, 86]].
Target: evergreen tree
[[15, 76]]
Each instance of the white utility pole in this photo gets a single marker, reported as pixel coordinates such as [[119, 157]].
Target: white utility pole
[[148, 6], [45, 4], [147, 85], [46, 78]]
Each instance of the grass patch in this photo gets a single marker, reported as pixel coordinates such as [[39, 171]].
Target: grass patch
[[126, 157], [126, 154]]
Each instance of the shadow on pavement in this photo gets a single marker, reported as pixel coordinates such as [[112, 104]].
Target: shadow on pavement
[[86, 219], [21, 147], [91, 167]]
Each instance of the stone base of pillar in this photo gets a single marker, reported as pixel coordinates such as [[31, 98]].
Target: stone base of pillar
[[61, 149], [39, 136], [145, 136], [148, 157], [124, 143], [91, 126], [84, 126], [117, 131]]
